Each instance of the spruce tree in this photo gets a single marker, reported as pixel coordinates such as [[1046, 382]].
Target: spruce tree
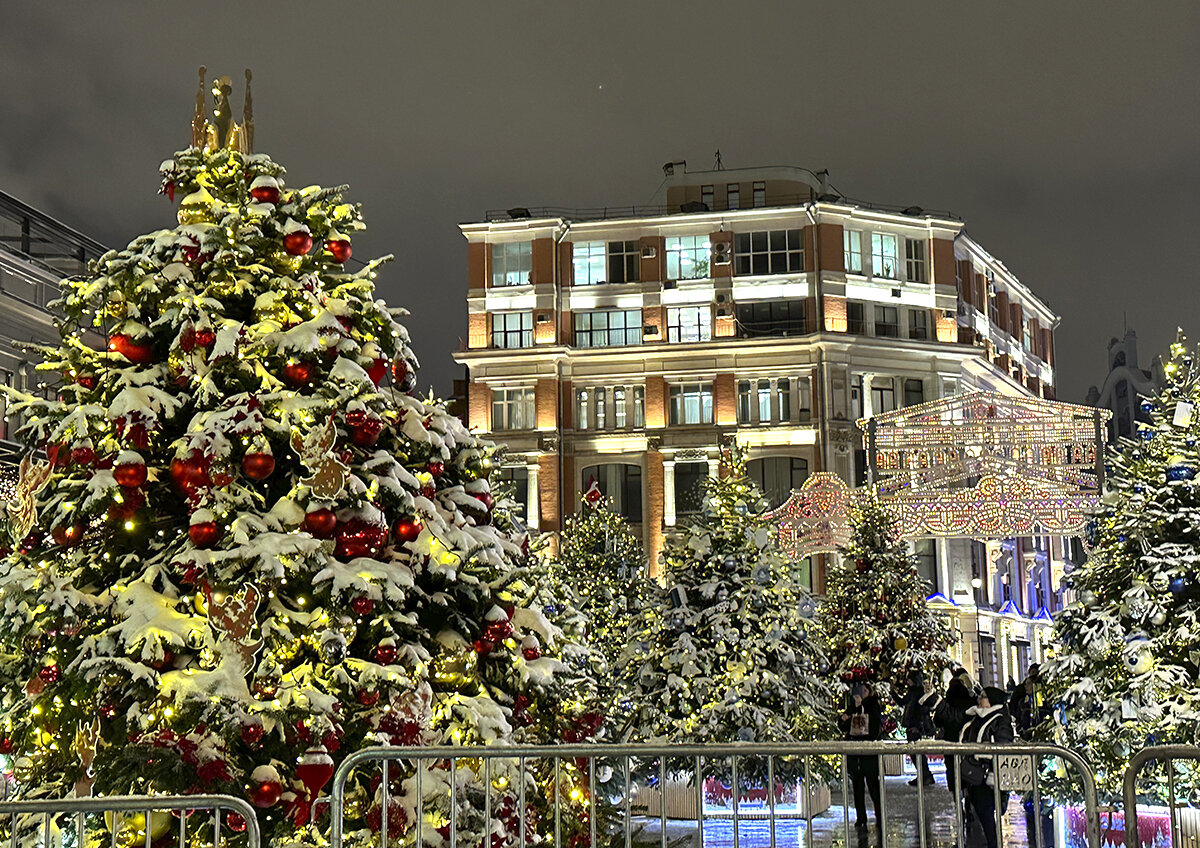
[[1126, 673], [875, 617], [734, 654], [251, 548]]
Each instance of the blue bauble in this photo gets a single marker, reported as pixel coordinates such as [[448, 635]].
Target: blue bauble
[[1180, 472], [1147, 406], [1147, 435], [1178, 585], [1190, 441]]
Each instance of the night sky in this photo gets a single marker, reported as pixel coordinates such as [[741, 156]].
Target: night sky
[[1067, 135]]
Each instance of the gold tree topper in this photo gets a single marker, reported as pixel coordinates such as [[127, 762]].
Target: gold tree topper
[[221, 132]]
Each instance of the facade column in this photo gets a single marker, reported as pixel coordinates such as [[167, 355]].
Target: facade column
[[669, 492], [714, 467], [945, 583], [652, 510], [867, 410], [532, 512]]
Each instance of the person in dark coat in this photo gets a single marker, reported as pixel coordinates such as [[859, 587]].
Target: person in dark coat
[[1023, 704], [989, 724], [917, 720], [862, 721], [951, 715]]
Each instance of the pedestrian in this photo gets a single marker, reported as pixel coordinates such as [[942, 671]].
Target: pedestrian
[[1023, 705], [989, 724], [862, 721], [917, 720], [951, 715]]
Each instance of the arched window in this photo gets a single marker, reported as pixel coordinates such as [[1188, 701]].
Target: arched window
[[776, 476], [620, 481]]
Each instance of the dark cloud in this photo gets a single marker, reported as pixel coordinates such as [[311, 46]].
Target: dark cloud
[[1064, 133]]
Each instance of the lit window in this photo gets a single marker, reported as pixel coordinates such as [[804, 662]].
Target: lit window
[[768, 252], [884, 256], [639, 406], [732, 196], [744, 408], [624, 261], [764, 401], [883, 395], [760, 194], [512, 329], [803, 399], [512, 263], [588, 257], [1027, 336], [582, 405], [918, 324], [914, 260], [689, 324], [687, 257], [601, 402], [887, 321], [852, 250], [620, 412], [608, 328], [691, 404], [512, 409]]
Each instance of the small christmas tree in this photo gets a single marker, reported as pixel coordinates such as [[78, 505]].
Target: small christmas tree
[[735, 654], [1126, 673], [600, 570], [875, 617], [249, 550]]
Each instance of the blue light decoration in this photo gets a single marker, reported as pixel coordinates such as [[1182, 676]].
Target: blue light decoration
[[1178, 585], [939, 598], [1190, 441], [808, 608], [1147, 406], [1176, 473], [1010, 608], [1091, 532], [1147, 434]]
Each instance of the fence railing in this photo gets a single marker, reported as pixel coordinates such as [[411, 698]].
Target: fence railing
[[1166, 756], [125, 821], [481, 794]]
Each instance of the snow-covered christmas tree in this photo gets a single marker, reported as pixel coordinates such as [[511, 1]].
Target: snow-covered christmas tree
[[250, 549], [734, 654], [600, 570], [1126, 672], [875, 617]]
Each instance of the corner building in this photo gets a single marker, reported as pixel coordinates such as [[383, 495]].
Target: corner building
[[627, 345]]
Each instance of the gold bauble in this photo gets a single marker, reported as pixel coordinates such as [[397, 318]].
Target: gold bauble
[[455, 667], [23, 769], [131, 827], [900, 643], [196, 208], [116, 306], [176, 361]]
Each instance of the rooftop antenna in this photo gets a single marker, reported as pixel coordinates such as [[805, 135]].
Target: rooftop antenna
[[717, 166]]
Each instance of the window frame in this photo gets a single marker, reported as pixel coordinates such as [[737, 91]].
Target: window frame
[[913, 395], [733, 196], [764, 253], [856, 326], [918, 324], [523, 334], [517, 402], [626, 256], [702, 324], [781, 318], [759, 193], [694, 249], [852, 251], [916, 268], [585, 337], [681, 396], [504, 254], [892, 328], [880, 257], [595, 250], [881, 389]]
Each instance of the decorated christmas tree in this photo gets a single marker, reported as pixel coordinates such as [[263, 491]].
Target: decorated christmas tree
[[734, 654], [1126, 673], [250, 548], [600, 571], [875, 618]]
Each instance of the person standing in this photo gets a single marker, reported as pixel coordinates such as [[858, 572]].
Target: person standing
[[989, 724], [951, 715], [862, 721], [917, 720], [1023, 705]]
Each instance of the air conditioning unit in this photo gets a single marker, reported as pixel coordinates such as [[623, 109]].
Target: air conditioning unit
[[720, 298], [722, 311], [543, 318], [896, 292], [649, 330], [668, 284], [649, 251], [721, 253]]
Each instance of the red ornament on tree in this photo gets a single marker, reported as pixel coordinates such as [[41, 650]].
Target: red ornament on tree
[[265, 793], [435, 467], [402, 375], [258, 466], [321, 523], [205, 338], [49, 674], [367, 433], [407, 530], [265, 193], [84, 455], [366, 697], [386, 653], [359, 538], [68, 535], [531, 653], [235, 821], [130, 475], [377, 370], [339, 249], [88, 381], [314, 770], [362, 605], [138, 354], [297, 242], [297, 374], [204, 534], [252, 733], [497, 631]]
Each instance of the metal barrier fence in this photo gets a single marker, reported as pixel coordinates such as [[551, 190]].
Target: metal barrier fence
[[1166, 755], [458, 786], [127, 820]]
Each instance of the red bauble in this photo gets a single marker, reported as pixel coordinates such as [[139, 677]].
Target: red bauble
[[483, 647], [166, 661], [486, 499], [130, 476], [377, 370], [593, 496], [366, 434], [435, 467], [362, 605], [190, 473], [386, 654], [265, 194], [59, 455], [297, 374], [258, 466], [49, 674], [497, 631], [252, 734], [321, 523], [68, 535], [358, 538], [138, 354], [314, 770], [235, 821], [531, 653], [205, 534], [6, 745], [339, 249], [83, 456], [298, 243], [407, 530], [205, 338], [265, 794], [88, 381], [366, 697]]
